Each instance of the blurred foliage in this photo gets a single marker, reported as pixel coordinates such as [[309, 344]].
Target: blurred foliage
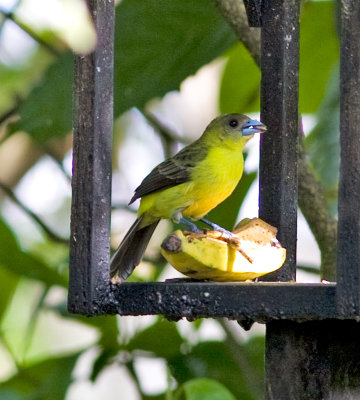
[[319, 51], [323, 141], [240, 87], [46, 113], [240, 76], [238, 370], [17, 81], [23, 263], [149, 61], [39, 380], [198, 389], [157, 45]]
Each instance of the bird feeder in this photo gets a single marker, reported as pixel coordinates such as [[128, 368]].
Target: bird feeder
[[312, 339]]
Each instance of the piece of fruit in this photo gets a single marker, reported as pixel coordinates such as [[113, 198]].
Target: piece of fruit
[[253, 251]]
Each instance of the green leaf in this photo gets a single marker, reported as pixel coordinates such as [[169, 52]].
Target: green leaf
[[108, 342], [16, 81], [8, 284], [101, 361], [162, 339], [240, 83], [45, 380], [47, 111], [319, 50], [240, 369], [162, 396], [158, 43], [323, 141], [21, 263], [200, 389]]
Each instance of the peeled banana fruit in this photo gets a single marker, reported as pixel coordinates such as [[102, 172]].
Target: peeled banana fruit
[[253, 251]]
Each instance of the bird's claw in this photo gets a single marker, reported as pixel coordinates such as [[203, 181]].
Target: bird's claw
[[225, 233], [215, 227]]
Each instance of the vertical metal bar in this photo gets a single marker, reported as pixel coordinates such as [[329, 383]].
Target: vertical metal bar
[[279, 110], [348, 269], [253, 12], [278, 162], [90, 211]]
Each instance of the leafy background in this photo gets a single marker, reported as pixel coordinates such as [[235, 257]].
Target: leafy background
[[159, 46]]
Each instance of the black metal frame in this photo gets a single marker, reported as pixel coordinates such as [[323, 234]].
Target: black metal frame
[[303, 361], [348, 266], [91, 182], [90, 291]]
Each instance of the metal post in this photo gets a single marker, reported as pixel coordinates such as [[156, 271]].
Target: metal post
[[279, 111], [348, 270], [320, 359], [93, 119], [313, 360]]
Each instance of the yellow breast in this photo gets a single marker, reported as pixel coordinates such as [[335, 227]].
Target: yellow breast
[[215, 178]]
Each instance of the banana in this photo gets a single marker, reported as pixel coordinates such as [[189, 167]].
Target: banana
[[253, 251]]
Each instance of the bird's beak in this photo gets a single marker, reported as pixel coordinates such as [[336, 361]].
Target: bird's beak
[[253, 126]]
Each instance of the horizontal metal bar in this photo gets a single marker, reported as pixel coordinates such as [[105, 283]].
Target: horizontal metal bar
[[257, 301]]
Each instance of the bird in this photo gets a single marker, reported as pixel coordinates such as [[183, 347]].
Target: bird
[[187, 185]]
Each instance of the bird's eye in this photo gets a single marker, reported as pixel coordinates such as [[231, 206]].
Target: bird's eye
[[233, 123]]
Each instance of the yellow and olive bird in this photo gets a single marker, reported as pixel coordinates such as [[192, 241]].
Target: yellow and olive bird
[[189, 184]]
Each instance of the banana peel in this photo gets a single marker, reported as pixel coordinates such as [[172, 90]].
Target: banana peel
[[253, 251]]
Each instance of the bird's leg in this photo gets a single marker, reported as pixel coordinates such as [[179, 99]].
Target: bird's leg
[[216, 227], [193, 228]]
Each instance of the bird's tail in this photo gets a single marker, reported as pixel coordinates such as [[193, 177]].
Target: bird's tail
[[130, 251]]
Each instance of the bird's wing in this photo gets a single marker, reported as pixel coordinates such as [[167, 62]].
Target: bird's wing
[[171, 172]]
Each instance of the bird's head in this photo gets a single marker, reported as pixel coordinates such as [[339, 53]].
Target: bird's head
[[235, 127]]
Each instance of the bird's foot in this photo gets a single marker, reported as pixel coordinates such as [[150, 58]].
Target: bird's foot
[[192, 227], [215, 227], [228, 236]]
